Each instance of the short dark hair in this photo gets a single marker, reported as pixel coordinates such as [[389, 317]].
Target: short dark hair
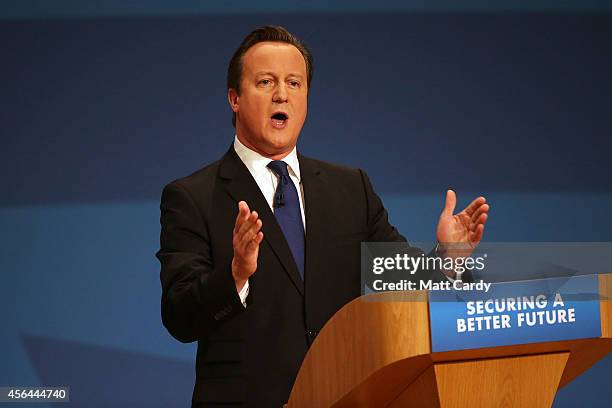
[[263, 34]]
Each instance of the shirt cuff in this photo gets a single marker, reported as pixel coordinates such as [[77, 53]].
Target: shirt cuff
[[244, 292], [456, 278], [457, 274]]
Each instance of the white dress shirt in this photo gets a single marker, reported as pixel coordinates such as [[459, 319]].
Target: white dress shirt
[[267, 181]]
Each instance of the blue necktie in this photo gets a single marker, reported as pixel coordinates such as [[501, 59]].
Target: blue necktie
[[287, 212]]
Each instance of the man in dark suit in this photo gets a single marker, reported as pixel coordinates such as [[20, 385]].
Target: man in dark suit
[[261, 248]]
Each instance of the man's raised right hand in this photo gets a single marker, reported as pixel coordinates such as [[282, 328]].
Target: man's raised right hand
[[246, 239]]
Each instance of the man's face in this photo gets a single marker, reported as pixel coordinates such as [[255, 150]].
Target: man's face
[[271, 108]]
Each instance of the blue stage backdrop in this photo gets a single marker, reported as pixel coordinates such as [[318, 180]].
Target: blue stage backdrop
[[103, 105]]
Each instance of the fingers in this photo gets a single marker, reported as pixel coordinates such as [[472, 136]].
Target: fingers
[[479, 213], [245, 219], [451, 202], [474, 205], [476, 229], [247, 223], [243, 212], [254, 242], [247, 234], [476, 234], [483, 209], [479, 221]]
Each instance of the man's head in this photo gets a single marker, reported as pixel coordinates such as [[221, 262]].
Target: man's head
[[267, 88]]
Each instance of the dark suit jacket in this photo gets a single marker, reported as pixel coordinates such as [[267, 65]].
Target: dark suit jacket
[[250, 356]]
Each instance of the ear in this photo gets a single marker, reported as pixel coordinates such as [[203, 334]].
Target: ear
[[232, 98]]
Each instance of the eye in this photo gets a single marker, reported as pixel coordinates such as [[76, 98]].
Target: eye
[[264, 82], [294, 84]]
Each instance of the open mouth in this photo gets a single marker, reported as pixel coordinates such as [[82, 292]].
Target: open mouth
[[279, 120]]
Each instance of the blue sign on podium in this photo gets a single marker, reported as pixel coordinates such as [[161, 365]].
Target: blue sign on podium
[[515, 313]]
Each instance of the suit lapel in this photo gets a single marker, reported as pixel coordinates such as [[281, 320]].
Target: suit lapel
[[241, 186], [316, 214]]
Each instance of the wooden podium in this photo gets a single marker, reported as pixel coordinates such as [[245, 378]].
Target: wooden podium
[[376, 352]]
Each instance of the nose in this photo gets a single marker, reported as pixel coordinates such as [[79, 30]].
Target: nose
[[280, 93]]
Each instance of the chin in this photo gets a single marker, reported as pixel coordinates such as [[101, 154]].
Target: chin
[[280, 143]]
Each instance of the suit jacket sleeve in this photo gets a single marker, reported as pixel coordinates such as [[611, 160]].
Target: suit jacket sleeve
[[379, 229], [197, 295]]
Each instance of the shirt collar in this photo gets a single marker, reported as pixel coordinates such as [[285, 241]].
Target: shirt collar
[[257, 163]]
